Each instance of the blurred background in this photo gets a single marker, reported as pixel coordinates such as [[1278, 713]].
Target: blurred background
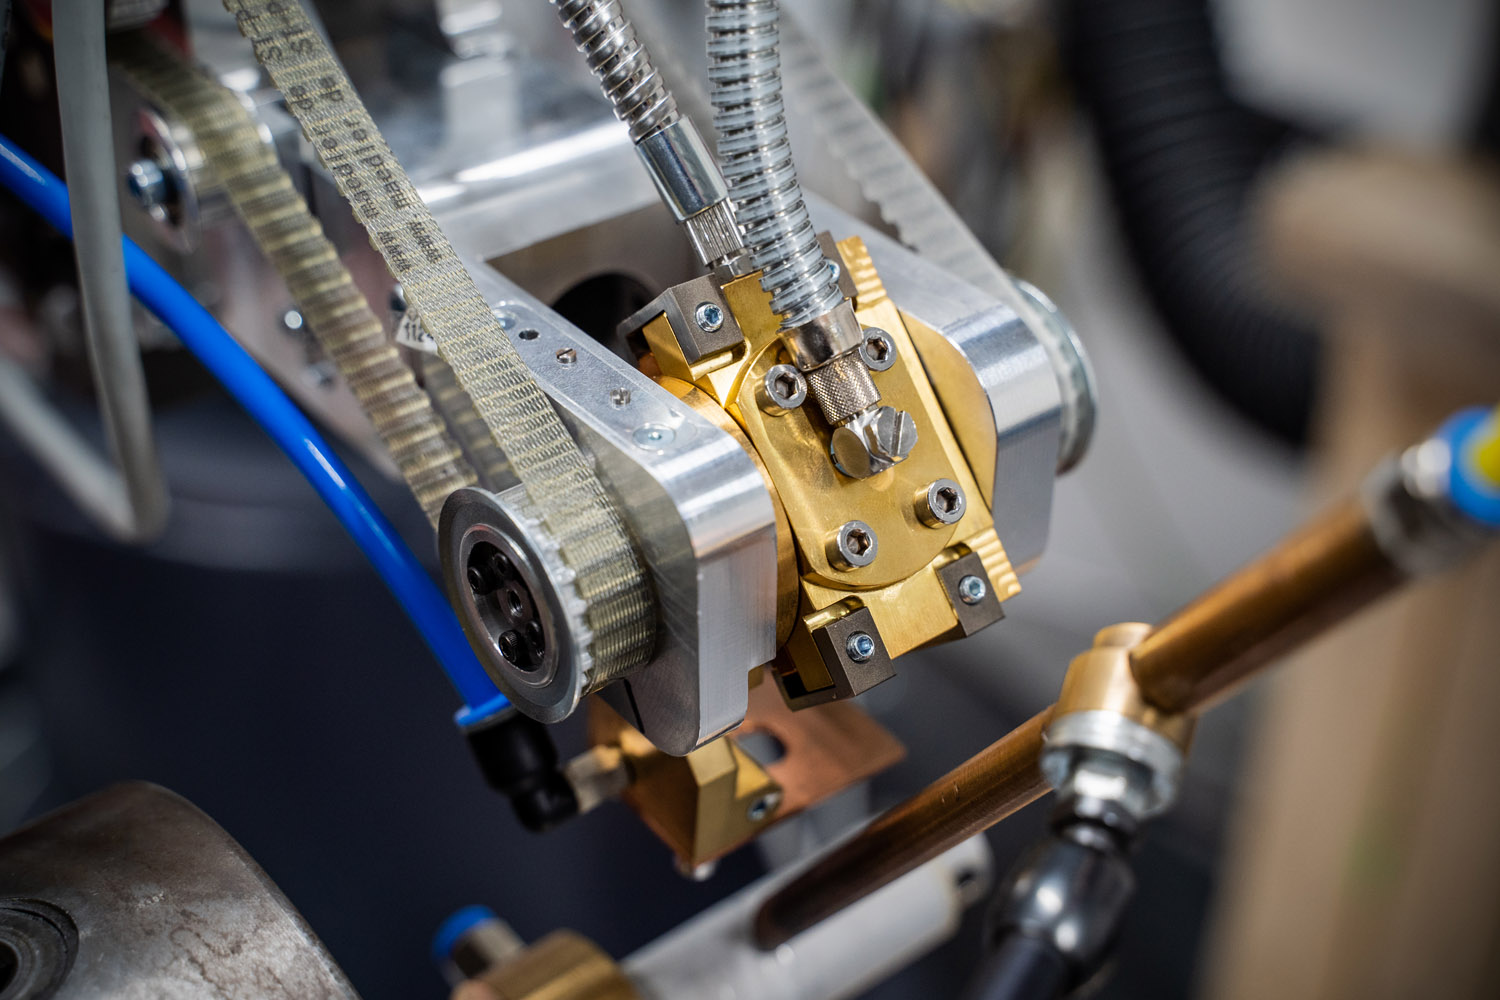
[[1275, 225]]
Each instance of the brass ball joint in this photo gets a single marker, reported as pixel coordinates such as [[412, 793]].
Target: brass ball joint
[[1106, 746]]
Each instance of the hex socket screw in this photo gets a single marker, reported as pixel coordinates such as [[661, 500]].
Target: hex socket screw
[[763, 806], [783, 389], [709, 316], [942, 503], [860, 646], [854, 546], [877, 350]]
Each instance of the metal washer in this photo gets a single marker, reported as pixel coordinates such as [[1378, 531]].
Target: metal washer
[[472, 517]]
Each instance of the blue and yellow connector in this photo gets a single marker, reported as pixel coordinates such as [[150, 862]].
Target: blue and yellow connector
[[1474, 472]]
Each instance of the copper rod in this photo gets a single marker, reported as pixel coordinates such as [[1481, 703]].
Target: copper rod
[[1316, 577], [980, 792]]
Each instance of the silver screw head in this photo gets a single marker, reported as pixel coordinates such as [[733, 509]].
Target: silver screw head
[[860, 646], [292, 320], [653, 437], [709, 316], [873, 442], [833, 269], [619, 397], [783, 388], [763, 807], [877, 350], [854, 546], [567, 356], [147, 183], [971, 589], [942, 503]]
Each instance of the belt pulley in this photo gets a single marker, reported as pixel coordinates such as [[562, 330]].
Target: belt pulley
[[601, 562]]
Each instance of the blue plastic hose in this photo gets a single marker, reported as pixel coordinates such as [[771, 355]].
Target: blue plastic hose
[[248, 383]]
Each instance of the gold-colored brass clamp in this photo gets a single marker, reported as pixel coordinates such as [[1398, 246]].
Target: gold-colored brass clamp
[[896, 541]]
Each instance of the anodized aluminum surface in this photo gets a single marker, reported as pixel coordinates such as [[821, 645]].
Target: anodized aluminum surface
[[1010, 364], [697, 506]]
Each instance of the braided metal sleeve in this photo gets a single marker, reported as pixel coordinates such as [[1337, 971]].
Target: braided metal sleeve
[[744, 75], [617, 58], [325, 293]]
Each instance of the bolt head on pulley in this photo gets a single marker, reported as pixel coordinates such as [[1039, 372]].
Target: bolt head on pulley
[[517, 601]]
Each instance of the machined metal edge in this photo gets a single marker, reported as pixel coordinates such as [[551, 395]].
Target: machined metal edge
[[1012, 367], [694, 502]]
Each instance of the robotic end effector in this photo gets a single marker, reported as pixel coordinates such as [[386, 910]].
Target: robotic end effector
[[883, 497]]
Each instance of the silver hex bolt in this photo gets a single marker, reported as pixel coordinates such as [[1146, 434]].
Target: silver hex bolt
[[147, 183], [877, 350], [709, 316], [854, 546], [941, 503], [971, 589], [782, 389]]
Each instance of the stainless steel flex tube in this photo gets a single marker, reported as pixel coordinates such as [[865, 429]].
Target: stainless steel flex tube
[[671, 148], [744, 75], [818, 325]]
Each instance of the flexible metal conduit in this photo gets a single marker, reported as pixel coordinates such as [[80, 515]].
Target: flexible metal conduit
[[744, 75], [607, 40]]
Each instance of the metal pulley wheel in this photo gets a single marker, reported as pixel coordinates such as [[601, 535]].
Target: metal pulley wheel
[[518, 601]]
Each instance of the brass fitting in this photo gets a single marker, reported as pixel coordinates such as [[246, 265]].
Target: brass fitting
[[1105, 742], [1100, 680], [564, 965]]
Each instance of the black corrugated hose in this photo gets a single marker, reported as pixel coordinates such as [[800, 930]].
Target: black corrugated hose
[[1182, 156]]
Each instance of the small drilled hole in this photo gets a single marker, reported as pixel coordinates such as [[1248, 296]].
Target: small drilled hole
[[527, 335]]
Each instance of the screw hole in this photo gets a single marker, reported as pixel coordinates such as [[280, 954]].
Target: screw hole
[[527, 334]]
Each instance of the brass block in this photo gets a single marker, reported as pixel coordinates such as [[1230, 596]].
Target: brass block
[[907, 600], [1101, 680], [823, 752], [564, 965], [703, 805]]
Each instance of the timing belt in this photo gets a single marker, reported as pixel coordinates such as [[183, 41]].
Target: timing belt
[[576, 510], [321, 287]]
